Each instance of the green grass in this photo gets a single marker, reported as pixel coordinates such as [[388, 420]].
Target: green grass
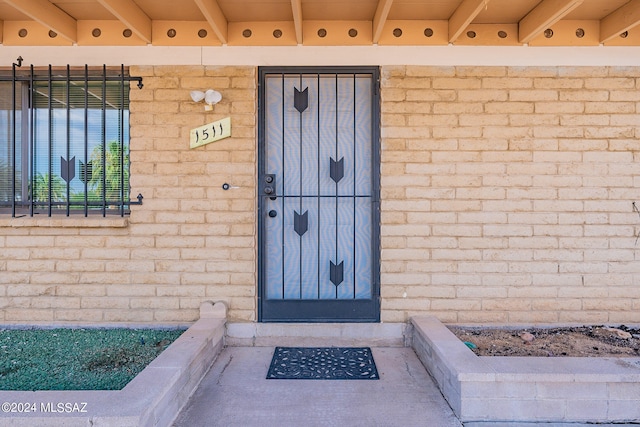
[[77, 359]]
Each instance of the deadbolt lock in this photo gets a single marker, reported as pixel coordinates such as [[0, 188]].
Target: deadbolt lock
[[269, 187]]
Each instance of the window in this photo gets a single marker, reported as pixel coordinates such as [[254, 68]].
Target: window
[[64, 142]]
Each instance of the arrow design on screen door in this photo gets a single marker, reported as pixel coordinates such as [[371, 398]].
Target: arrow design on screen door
[[336, 273], [336, 169], [301, 99], [301, 222], [336, 172]]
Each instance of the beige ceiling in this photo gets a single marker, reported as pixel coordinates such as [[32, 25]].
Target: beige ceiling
[[319, 22]]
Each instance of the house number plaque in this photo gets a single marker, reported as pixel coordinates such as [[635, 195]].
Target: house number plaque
[[209, 133]]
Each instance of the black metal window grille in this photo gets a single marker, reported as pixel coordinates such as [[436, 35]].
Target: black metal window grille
[[64, 141]]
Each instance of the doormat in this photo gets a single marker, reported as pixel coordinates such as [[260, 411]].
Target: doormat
[[323, 363]]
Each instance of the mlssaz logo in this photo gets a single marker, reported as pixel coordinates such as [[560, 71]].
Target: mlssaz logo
[[63, 407]]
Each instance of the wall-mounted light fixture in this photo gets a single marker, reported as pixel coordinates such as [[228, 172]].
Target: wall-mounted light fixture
[[210, 97]]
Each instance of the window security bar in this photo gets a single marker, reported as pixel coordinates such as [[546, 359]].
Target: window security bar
[[54, 118]]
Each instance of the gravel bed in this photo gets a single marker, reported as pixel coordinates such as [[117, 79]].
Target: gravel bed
[[77, 359]]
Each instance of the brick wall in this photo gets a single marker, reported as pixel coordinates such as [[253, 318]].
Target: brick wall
[[190, 241], [507, 197], [507, 194]]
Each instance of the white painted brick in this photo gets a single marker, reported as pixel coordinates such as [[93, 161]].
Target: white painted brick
[[508, 255], [507, 280], [558, 254], [507, 230], [533, 218], [457, 254], [485, 292], [584, 243], [583, 267], [555, 280], [536, 268], [456, 230], [483, 267], [584, 218], [481, 243], [439, 278], [536, 242]]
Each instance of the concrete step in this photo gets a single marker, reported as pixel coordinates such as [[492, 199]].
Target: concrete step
[[318, 334]]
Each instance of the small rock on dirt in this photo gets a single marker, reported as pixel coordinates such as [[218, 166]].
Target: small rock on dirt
[[620, 333], [527, 337]]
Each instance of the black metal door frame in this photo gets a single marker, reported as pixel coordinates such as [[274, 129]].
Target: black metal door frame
[[320, 310]]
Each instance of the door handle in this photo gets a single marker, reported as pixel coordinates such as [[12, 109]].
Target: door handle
[[273, 213]]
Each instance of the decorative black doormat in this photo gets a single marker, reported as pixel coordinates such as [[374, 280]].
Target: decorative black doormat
[[323, 363]]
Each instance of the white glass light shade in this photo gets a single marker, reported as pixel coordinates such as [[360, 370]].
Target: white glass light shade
[[212, 97], [197, 95]]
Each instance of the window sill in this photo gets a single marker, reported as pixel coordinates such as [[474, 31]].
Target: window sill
[[65, 222]]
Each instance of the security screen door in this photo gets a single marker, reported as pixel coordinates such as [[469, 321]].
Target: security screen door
[[318, 194]]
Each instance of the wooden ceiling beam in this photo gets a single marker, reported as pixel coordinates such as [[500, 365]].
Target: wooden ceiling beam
[[380, 18], [48, 15], [543, 16], [296, 8], [620, 20], [213, 14], [463, 16], [130, 15]]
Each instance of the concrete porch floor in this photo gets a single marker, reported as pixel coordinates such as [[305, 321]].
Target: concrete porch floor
[[235, 393]]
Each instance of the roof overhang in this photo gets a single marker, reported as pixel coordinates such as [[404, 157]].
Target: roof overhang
[[319, 22]]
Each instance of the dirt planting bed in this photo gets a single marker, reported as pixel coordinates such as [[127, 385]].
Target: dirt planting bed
[[582, 341]]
